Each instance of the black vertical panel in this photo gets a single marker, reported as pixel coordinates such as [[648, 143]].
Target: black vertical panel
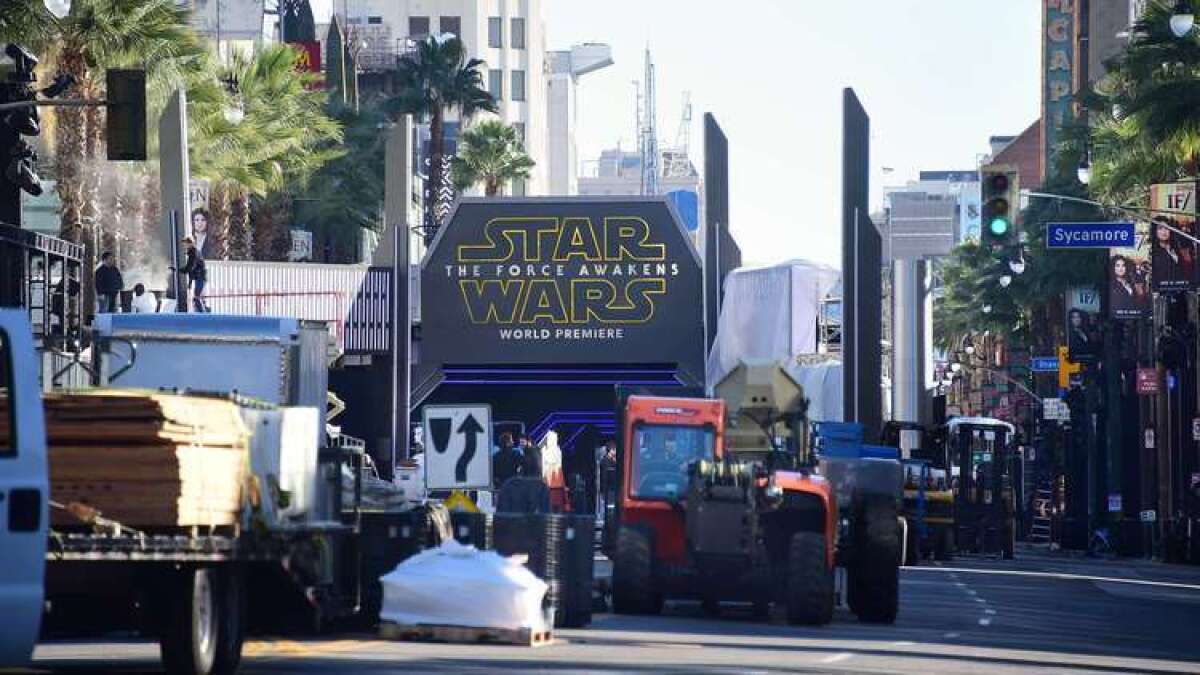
[[861, 276], [716, 208]]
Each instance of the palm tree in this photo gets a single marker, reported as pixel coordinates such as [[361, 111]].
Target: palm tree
[[434, 79], [490, 153], [283, 136], [1145, 128], [93, 36]]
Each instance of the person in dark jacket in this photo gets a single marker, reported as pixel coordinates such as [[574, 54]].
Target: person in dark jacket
[[194, 267], [506, 463], [109, 283], [527, 493]]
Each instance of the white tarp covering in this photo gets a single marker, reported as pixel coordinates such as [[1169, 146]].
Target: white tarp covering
[[822, 384], [769, 313], [459, 585]]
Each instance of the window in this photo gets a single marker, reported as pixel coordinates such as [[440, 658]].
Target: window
[[518, 187], [375, 20], [495, 28], [496, 83], [450, 24], [661, 454], [518, 33], [519, 127], [518, 85], [418, 26]]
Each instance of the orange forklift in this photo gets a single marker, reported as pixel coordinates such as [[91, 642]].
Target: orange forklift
[[724, 499]]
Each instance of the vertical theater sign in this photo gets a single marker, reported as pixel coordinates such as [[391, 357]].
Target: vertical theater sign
[[1058, 73], [563, 281]]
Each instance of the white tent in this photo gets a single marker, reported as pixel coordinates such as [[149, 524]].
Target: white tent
[[770, 313]]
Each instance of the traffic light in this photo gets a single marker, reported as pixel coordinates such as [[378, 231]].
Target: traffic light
[[125, 130], [17, 158], [1001, 200]]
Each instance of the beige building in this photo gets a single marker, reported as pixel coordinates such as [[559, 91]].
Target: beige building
[[508, 35]]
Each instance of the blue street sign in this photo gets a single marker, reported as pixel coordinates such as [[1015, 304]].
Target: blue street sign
[[1044, 364], [1090, 235]]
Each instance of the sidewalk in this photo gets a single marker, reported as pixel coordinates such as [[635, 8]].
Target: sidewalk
[[1036, 558]]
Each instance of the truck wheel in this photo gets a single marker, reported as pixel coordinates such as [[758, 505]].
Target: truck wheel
[[633, 573], [231, 622], [875, 573], [809, 598], [189, 640]]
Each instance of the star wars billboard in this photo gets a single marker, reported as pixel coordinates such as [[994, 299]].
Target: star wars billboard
[[552, 281]]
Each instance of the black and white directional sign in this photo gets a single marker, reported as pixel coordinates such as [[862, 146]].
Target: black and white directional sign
[[458, 447]]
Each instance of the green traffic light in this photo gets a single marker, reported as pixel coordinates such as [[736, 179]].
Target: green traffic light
[[998, 226]]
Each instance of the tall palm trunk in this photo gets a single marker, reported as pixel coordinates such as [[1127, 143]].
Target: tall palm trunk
[[268, 216], [240, 245], [70, 134], [218, 220]]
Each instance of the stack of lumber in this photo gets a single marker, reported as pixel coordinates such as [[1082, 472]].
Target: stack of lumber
[[147, 459]]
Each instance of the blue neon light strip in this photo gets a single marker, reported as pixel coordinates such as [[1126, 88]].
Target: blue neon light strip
[[573, 371], [672, 382]]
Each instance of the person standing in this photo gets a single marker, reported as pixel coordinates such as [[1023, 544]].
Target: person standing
[[506, 463], [109, 284], [197, 273], [143, 302]]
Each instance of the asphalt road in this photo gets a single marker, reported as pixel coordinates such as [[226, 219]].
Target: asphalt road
[[1035, 614]]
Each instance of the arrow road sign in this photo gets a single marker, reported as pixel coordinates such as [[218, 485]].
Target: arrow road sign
[[459, 452], [1090, 235]]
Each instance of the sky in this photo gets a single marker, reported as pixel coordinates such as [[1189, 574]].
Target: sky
[[937, 77]]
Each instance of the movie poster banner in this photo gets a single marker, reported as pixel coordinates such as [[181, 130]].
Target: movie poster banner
[[1129, 278], [1083, 324], [1174, 255]]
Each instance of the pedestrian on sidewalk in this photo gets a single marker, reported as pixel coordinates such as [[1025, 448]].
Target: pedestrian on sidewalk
[[109, 284], [506, 463], [197, 273]]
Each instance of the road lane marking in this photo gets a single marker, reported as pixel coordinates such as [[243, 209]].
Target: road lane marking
[[989, 611], [978, 599], [970, 591], [985, 622], [903, 643], [950, 636], [1060, 575], [837, 658]]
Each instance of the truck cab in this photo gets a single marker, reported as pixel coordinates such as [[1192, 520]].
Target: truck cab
[[23, 491]]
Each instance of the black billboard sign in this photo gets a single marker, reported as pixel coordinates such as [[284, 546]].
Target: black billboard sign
[[563, 281]]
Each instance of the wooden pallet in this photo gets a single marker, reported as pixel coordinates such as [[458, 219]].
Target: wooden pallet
[[523, 637]]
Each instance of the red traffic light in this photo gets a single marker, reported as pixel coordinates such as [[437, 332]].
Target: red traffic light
[[999, 182]]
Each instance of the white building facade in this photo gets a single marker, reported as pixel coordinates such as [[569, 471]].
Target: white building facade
[[508, 35]]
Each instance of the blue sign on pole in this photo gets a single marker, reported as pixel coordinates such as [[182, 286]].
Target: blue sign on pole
[[1090, 235], [1044, 364]]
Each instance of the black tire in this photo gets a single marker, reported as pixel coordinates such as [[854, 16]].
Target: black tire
[[189, 640], [809, 598], [875, 572], [912, 545], [633, 573], [943, 547], [231, 622]]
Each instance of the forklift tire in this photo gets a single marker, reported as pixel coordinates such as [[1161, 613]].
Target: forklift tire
[[189, 640], [633, 573], [943, 548], [912, 545], [874, 577], [809, 598]]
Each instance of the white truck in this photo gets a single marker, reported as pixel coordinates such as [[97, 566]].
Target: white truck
[[191, 589]]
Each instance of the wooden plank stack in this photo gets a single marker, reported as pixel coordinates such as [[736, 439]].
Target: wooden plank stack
[[146, 459]]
